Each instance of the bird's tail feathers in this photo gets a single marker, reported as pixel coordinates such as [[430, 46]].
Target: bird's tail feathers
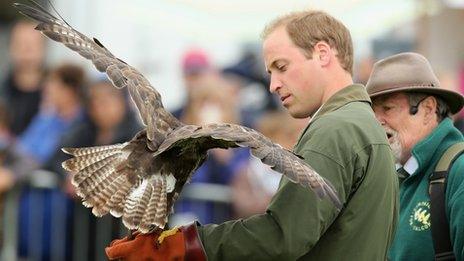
[[147, 205]]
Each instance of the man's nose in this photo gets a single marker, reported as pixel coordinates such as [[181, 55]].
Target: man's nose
[[275, 84]]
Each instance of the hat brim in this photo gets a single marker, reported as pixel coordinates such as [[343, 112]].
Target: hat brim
[[454, 100]]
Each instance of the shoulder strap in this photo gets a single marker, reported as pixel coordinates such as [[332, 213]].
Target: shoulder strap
[[440, 227], [449, 156]]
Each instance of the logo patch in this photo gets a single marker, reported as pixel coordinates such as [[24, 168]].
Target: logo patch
[[419, 219]]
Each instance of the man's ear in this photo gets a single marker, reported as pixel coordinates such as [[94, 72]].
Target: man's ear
[[323, 53], [429, 107]]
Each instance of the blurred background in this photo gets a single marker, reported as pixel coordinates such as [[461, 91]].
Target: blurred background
[[204, 57]]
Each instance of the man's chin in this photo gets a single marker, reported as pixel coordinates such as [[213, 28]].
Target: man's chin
[[297, 114]]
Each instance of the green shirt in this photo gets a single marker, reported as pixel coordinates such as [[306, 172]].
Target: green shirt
[[345, 144], [413, 239]]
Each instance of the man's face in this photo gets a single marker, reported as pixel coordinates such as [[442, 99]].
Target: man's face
[[296, 79], [107, 106], [403, 130], [27, 46], [56, 93]]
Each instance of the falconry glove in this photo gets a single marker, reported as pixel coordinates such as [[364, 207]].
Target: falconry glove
[[177, 244]]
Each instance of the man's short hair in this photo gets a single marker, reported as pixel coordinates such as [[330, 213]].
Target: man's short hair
[[307, 28], [73, 76]]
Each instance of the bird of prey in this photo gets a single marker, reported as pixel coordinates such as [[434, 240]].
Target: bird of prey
[[139, 180]]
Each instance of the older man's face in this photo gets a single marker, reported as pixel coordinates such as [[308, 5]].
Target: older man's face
[[403, 130]]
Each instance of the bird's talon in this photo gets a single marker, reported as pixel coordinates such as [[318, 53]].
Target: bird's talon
[[167, 233]]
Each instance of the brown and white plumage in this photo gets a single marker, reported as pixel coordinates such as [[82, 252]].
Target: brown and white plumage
[[140, 180]]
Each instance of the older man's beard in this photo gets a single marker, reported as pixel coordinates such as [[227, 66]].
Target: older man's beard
[[395, 144]]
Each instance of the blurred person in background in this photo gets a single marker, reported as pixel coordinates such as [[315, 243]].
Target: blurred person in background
[[254, 98], [43, 207], [14, 165], [109, 120], [61, 108], [195, 66], [22, 87], [415, 111], [214, 100], [255, 183]]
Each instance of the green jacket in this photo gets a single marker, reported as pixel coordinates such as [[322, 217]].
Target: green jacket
[[413, 239], [345, 144]]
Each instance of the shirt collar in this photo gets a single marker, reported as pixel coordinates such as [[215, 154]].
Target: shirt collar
[[410, 166]]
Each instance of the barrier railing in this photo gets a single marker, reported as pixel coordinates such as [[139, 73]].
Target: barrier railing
[[89, 235]]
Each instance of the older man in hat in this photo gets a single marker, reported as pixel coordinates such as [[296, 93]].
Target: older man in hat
[[415, 113]]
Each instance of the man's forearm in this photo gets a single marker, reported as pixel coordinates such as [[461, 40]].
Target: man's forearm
[[292, 225]]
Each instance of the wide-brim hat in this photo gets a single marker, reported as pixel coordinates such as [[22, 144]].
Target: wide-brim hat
[[409, 72]]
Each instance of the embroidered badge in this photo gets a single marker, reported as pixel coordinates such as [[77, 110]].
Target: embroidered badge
[[420, 216]]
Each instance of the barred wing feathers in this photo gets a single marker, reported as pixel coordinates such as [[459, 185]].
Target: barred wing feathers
[[278, 158], [148, 101]]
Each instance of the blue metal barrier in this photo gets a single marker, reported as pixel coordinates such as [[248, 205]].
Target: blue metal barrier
[[86, 235]]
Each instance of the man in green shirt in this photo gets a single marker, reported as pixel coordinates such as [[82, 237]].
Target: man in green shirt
[[309, 57], [414, 111]]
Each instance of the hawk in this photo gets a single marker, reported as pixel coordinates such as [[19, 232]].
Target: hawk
[[140, 180]]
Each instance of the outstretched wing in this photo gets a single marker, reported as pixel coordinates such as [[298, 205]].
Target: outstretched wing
[[114, 179], [148, 101], [231, 135]]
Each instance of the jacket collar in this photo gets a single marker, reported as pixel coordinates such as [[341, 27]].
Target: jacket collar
[[427, 152], [351, 93]]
